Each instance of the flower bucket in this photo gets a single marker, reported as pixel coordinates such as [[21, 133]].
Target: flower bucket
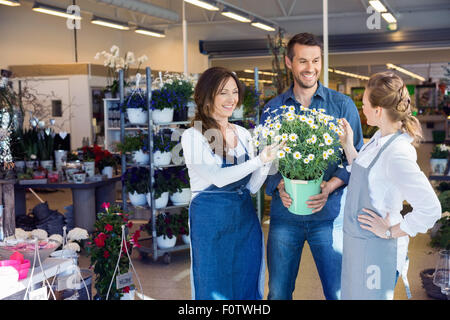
[[300, 191], [162, 158], [107, 171], [140, 157], [164, 242], [438, 166], [137, 199], [47, 164], [186, 239], [181, 198], [161, 202], [137, 116], [60, 159], [162, 116], [89, 167], [79, 178]]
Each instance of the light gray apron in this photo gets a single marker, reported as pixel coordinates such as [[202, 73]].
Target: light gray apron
[[369, 263]]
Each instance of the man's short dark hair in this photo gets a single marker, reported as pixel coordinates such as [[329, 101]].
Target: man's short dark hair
[[307, 39]]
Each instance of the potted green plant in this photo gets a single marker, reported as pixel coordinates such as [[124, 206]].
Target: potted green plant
[[135, 180], [181, 189], [312, 144], [106, 163], [162, 186], [183, 225], [183, 89], [166, 230], [250, 102], [137, 145], [104, 246], [439, 159], [163, 103], [45, 145], [162, 147], [30, 140], [135, 106]]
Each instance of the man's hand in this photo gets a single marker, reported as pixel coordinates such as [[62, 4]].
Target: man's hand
[[285, 198], [318, 201]]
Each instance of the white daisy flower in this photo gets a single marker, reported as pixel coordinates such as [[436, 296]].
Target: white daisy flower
[[277, 126], [287, 149], [314, 126], [325, 155], [321, 110], [328, 141], [283, 106], [257, 143], [291, 118], [303, 108], [303, 118], [291, 109], [297, 155], [284, 137], [330, 151], [310, 121], [293, 137], [277, 138], [306, 160], [310, 157], [271, 125], [321, 144], [281, 154], [272, 133]]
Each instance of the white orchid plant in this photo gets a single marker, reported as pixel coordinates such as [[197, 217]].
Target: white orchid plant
[[115, 63], [312, 140]]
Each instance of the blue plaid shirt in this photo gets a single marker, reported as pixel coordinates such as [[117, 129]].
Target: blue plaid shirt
[[337, 105]]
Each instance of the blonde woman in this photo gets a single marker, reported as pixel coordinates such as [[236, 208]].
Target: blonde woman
[[383, 174]]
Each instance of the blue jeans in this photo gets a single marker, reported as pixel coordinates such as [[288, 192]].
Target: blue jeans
[[287, 235]]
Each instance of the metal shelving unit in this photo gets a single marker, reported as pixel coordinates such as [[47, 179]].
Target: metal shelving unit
[[154, 251]]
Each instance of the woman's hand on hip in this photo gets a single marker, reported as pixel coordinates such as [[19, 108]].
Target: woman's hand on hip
[[374, 223]]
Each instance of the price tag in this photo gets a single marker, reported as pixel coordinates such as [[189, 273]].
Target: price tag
[[124, 280], [38, 294]]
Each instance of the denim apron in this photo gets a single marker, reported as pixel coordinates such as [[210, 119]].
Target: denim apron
[[227, 244], [369, 263]]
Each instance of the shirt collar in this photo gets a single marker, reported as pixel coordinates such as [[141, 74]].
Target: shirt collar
[[320, 91]]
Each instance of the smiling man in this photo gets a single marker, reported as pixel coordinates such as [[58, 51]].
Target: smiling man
[[322, 229]]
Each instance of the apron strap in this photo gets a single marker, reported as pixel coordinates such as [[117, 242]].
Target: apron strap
[[383, 148]]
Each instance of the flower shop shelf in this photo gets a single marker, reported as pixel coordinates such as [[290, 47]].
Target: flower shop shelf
[[145, 251]]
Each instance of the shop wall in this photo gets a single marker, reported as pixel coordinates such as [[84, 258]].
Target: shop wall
[[35, 38]]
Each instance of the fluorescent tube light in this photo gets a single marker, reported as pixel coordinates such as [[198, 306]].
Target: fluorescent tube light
[[203, 4], [389, 17], [149, 32], [109, 23], [54, 11], [235, 16], [409, 73], [377, 5], [261, 72], [11, 3], [263, 26], [348, 74]]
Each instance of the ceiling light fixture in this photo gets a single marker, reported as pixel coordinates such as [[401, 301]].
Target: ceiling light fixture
[[11, 3], [348, 74], [253, 80], [263, 26], [261, 72], [409, 73], [389, 17], [378, 5], [234, 15], [110, 23], [203, 4], [54, 11], [150, 32]]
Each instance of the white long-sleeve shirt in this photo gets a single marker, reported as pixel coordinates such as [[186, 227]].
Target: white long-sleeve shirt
[[396, 177], [204, 168]]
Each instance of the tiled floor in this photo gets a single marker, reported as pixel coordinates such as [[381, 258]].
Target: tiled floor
[[172, 281]]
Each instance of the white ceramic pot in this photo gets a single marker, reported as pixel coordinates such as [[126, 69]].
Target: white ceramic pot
[[164, 242], [238, 113], [162, 158], [79, 177], [137, 199], [20, 166], [186, 238], [438, 166], [161, 202], [181, 198], [89, 167], [140, 157], [137, 116], [107, 171], [128, 296], [162, 116]]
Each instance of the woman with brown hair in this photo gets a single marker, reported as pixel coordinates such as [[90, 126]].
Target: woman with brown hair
[[227, 251], [383, 174]]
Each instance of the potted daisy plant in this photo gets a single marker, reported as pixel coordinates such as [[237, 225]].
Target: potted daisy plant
[[312, 143]]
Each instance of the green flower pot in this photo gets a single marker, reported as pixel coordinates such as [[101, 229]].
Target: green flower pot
[[300, 191]]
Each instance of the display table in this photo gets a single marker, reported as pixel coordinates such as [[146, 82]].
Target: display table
[[87, 198], [52, 267]]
